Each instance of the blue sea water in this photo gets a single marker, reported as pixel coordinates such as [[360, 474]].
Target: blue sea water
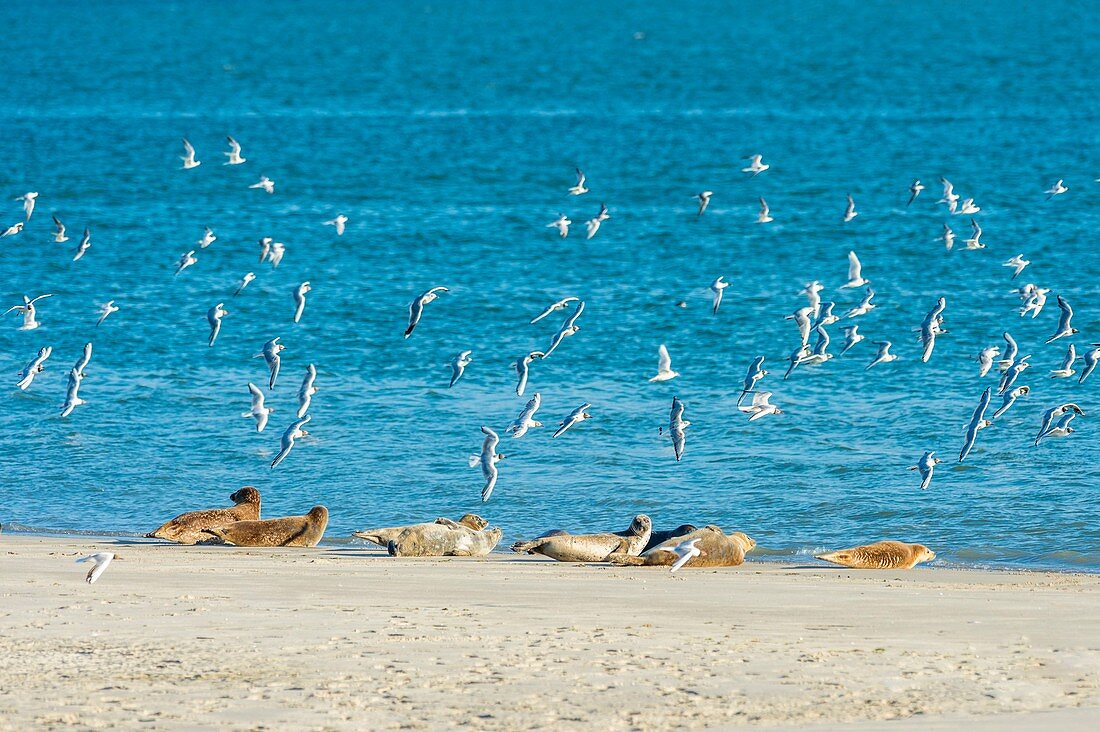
[[447, 132]]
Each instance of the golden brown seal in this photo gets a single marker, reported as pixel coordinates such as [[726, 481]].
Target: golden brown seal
[[289, 531], [467, 537], [881, 555], [591, 547], [189, 528], [719, 550]]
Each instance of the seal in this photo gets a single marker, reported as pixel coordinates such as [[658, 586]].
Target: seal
[[718, 550], [660, 537], [190, 528], [881, 555], [467, 537], [591, 547], [289, 531]]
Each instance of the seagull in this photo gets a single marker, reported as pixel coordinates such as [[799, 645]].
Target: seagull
[[797, 356], [812, 291], [755, 373], [801, 318], [855, 273], [819, 354], [270, 354], [577, 415], [35, 367], [1012, 373], [339, 222], [72, 394], [1062, 428], [561, 224], [928, 461], [101, 560], [704, 201], [265, 248], [1010, 398], [985, 359], [1050, 414], [1064, 328], [756, 165], [185, 261], [526, 419], [850, 212], [852, 336], [259, 411], [188, 156], [864, 305], [579, 188], [292, 433], [1066, 370], [686, 551], [29, 311], [761, 406], [664, 366], [559, 305], [975, 240], [214, 316], [13, 229], [716, 287], [416, 307], [765, 215], [1017, 263], [85, 243], [568, 328], [83, 361], [948, 237], [1035, 302], [977, 422], [106, 309], [300, 299], [248, 277], [1009, 356], [1091, 356], [1055, 190], [593, 224], [234, 153], [883, 355], [914, 190], [458, 366], [28, 203], [266, 183], [968, 207], [826, 317], [949, 196], [278, 249], [522, 366], [676, 426], [59, 235], [207, 239], [488, 460], [307, 390], [930, 327]]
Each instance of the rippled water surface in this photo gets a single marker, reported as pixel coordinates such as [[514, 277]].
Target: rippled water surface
[[447, 133]]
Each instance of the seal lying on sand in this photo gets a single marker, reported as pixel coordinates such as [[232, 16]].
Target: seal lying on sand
[[190, 528], [718, 550], [590, 547], [467, 537], [290, 531], [881, 555], [660, 537]]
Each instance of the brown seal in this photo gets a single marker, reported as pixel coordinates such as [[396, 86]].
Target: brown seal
[[719, 550], [881, 555], [660, 537], [591, 547], [467, 537], [289, 531], [190, 528]]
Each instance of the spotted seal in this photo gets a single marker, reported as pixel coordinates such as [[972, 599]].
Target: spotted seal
[[190, 528], [881, 555], [467, 537], [289, 531], [718, 550], [590, 547]]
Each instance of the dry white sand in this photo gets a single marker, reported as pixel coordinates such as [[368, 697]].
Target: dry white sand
[[346, 638]]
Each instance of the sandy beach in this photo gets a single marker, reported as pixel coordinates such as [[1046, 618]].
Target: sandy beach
[[342, 638]]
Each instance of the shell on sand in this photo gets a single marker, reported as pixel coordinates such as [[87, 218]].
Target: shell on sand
[[719, 550], [591, 547], [881, 555], [467, 537], [190, 528], [289, 531]]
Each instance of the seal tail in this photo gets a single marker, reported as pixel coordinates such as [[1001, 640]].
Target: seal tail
[[373, 538], [624, 559]]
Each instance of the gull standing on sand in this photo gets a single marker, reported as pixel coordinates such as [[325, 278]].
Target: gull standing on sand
[[716, 287], [100, 561], [579, 188], [850, 212], [765, 215], [676, 426], [1091, 357], [664, 365], [577, 415], [985, 359], [186, 260], [1049, 416], [458, 366], [801, 318], [416, 307], [1066, 369], [36, 366], [339, 222], [914, 190], [307, 390], [28, 203], [593, 224], [756, 165], [559, 305], [188, 156], [948, 237], [855, 273], [977, 422], [704, 201], [12, 230], [259, 411], [59, 235], [1064, 326], [265, 183], [84, 245], [29, 311], [1017, 263], [864, 305], [214, 317], [526, 419], [292, 433], [1010, 398], [883, 355], [568, 328], [72, 394], [761, 406], [852, 336], [686, 551], [248, 277], [270, 355], [755, 373], [522, 369], [927, 464], [1055, 190], [561, 224], [488, 460], [300, 300], [1012, 373], [234, 153]]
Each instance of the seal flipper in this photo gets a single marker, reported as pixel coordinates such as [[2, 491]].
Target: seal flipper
[[841, 557], [624, 559], [527, 546]]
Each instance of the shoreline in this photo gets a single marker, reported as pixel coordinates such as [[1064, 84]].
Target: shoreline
[[342, 637]]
